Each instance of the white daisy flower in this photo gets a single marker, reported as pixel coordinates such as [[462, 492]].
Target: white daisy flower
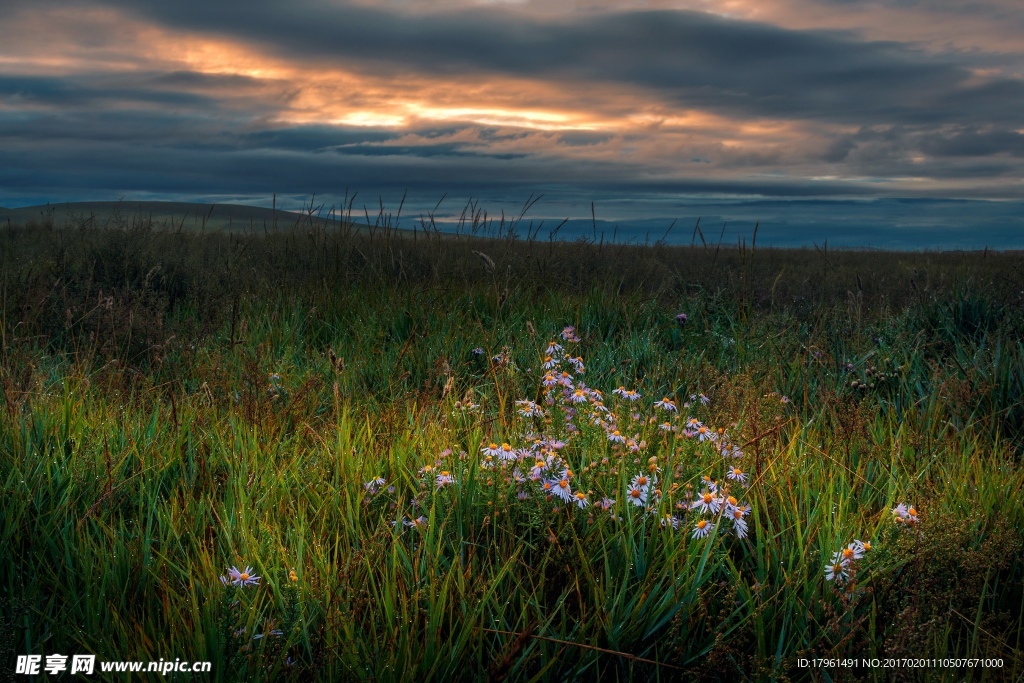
[[506, 452], [666, 404], [707, 502], [565, 380], [561, 488], [577, 365], [580, 499], [615, 436], [444, 478], [539, 467], [704, 434], [578, 397], [553, 349], [851, 553], [621, 391], [632, 395], [736, 474], [637, 495], [550, 363], [667, 427], [491, 449], [702, 528], [374, 484], [242, 578], [642, 480], [837, 572], [549, 380]]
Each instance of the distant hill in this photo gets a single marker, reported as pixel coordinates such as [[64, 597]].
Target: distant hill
[[183, 215]]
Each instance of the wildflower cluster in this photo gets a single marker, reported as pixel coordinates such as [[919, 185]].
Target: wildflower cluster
[[843, 565], [570, 447]]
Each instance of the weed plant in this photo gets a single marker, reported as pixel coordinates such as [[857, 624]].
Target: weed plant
[[341, 453]]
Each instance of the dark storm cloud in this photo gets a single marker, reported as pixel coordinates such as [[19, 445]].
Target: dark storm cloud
[[692, 59], [974, 143], [109, 167], [63, 92]]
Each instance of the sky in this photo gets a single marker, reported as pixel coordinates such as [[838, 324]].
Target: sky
[[890, 123]]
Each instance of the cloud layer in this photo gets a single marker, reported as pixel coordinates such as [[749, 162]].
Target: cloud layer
[[785, 99]]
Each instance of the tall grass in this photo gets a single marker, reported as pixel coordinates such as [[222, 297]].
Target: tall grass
[[176, 404]]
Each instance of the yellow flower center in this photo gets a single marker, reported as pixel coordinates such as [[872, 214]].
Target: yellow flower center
[[444, 473], [867, 546], [732, 501], [847, 553], [540, 463], [564, 483], [243, 576], [641, 481], [702, 523], [737, 471], [913, 511], [738, 514], [580, 495], [708, 498], [635, 493]]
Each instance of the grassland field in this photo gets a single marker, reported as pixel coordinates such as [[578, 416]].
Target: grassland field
[[321, 453]]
